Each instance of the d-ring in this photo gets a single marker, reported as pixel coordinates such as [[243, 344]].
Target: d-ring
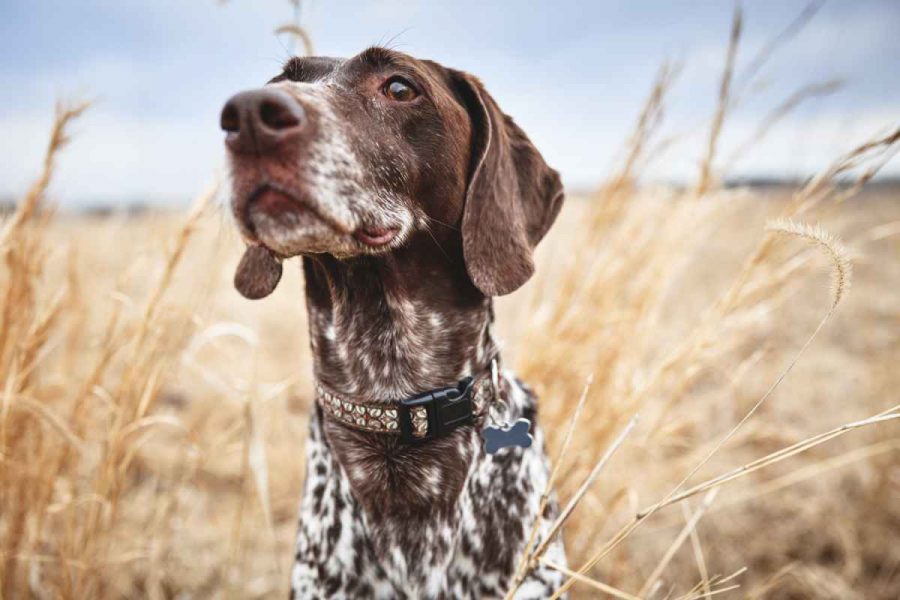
[[499, 405]]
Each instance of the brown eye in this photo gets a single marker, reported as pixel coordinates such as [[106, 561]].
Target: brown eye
[[399, 90]]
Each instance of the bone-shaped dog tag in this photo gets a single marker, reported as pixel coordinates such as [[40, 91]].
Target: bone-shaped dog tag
[[506, 436]]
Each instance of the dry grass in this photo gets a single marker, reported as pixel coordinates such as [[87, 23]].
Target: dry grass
[[152, 421]]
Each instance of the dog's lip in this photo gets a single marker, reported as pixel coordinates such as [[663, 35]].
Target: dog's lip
[[298, 203], [273, 201], [376, 236]]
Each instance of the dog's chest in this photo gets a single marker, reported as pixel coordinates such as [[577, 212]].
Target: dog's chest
[[450, 525]]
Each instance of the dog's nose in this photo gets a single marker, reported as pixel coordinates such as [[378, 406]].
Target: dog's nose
[[259, 120]]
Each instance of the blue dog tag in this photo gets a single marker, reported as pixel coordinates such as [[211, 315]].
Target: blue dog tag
[[497, 438]]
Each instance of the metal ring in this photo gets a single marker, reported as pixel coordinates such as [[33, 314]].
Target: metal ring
[[495, 388], [495, 379]]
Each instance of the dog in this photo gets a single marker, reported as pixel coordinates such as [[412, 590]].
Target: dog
[[413, 200]]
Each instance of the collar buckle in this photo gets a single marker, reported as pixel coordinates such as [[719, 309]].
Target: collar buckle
[[445, 410]]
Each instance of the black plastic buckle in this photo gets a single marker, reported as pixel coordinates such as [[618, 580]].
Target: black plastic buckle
[[446, 409]]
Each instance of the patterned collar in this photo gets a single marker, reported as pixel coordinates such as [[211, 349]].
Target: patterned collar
[[418, 418]]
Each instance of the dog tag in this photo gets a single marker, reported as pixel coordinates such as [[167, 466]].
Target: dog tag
[[506, 436], [258, 273]]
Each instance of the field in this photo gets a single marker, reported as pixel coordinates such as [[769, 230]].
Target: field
[[153, 441], [153, 421]]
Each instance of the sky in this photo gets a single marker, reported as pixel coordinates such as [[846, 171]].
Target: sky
[[574, 74]]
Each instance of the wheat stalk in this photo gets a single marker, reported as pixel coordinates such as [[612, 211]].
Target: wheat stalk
[[59, 138], [706, 168], [737, 473]]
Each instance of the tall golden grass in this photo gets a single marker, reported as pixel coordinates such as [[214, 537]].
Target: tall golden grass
[[152, 422]]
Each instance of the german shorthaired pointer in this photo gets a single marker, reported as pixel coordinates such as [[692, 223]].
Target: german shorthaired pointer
[[413, 200]]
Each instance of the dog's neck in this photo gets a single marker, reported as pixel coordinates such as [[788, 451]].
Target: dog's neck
[[384, 328]]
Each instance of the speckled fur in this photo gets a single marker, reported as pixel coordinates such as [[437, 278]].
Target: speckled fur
[[467, 548], [380, 518]]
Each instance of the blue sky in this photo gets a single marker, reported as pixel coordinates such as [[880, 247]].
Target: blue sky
[[574, 74]]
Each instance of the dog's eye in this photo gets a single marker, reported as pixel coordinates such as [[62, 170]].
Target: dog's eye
[[399, 90]]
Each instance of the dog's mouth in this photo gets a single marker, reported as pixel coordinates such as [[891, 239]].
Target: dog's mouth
[[272, 202], [269, 208], [269, 212], [279, 224]]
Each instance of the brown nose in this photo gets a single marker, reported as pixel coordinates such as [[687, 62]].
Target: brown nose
[[259, 120]]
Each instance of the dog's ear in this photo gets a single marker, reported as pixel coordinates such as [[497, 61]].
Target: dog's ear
[[512, 196]]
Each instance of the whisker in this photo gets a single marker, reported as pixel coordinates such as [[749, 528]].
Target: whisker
[[439, 222], [434, 239]]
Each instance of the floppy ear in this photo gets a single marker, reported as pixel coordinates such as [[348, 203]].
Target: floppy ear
[[512, 197]]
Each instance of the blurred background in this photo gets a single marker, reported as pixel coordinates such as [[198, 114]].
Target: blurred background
[[726, 267]]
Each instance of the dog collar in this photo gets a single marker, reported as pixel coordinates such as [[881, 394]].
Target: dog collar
[[418, 418]]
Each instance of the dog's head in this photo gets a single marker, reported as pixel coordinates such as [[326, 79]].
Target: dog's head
[[361, 156]]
